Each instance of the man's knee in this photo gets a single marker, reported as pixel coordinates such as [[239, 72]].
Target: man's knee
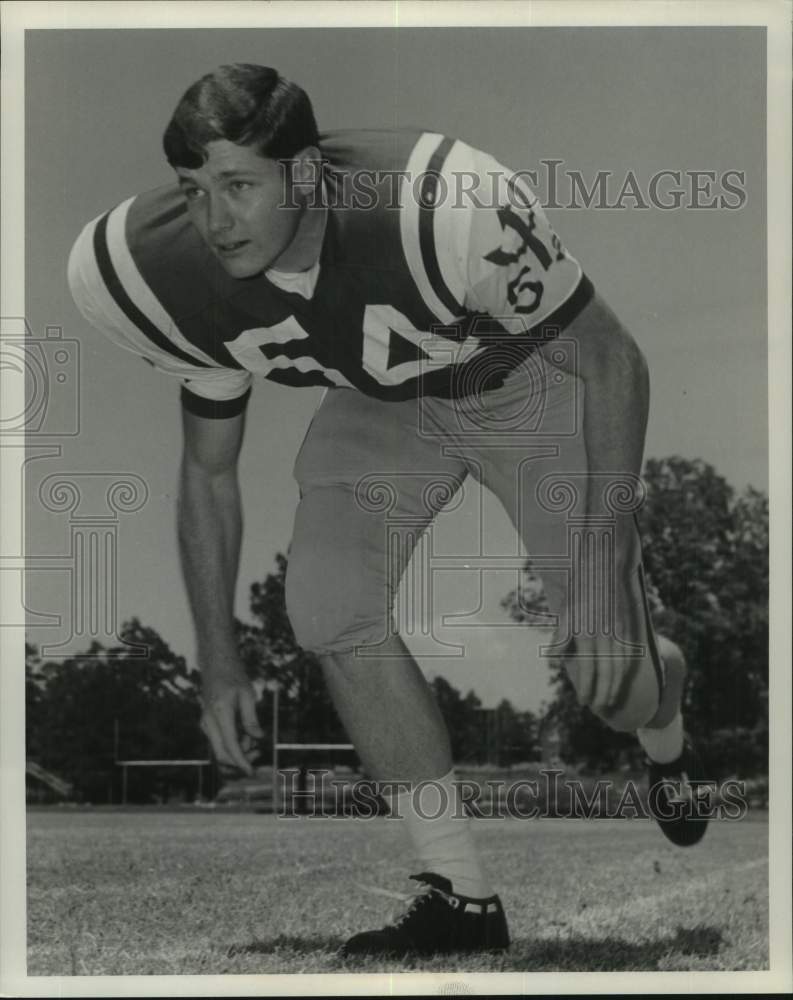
[[331, 611]]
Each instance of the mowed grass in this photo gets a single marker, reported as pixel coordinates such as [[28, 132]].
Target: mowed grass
[[209, 893]]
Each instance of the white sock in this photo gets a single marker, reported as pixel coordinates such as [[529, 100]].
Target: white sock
[[663, 745], [441, 835]]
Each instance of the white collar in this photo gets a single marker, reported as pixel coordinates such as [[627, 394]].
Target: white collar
[[302, 282]]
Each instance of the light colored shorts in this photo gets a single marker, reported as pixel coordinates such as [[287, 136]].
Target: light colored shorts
[[374, 474]]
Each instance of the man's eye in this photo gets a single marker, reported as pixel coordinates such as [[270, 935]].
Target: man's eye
[[191, 193], [240, 185]]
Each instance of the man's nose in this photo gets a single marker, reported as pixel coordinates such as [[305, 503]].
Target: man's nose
[[219, 220]]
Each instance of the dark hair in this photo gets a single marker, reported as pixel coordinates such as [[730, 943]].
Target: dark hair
[[245, 104]]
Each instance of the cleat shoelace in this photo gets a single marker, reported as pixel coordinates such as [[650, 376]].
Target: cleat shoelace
[[416, 899], [412, 899]]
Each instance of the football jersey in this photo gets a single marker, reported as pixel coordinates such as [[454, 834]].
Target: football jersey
[[438, 274]]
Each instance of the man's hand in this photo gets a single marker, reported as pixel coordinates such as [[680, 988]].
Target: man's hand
[[606, 611], [229, 716], [210, 532]]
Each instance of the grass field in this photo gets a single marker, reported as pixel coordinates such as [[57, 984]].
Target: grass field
[[124, 893]]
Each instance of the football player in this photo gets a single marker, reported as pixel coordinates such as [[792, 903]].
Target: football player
[[418, 280]]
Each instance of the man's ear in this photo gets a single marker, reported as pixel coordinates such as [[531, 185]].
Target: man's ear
[[305, 167]]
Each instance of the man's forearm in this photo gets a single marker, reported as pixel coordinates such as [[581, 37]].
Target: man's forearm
[[615, 415], [617, 397], [210, 532]]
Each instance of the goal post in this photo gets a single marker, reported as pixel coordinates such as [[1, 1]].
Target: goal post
[[279, 746], [125, 764]]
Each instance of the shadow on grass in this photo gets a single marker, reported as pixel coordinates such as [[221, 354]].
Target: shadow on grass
[[575, 954], [611, 954]]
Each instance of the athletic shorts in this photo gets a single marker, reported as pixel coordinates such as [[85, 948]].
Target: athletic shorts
[[373, 474], [372, 477]]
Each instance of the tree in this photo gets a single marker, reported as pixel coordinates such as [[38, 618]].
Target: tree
[[706, 556], [74, 706], [706, 552], [499, 735], [463, 719], [34, 695], [517, 734], [270, 652]]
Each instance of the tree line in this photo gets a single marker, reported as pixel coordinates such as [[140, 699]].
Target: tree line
[[706, 557]]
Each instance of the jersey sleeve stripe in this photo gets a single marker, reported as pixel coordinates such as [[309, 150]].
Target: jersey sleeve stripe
[[565, 312], [409, 226], [138, 289], [138, 319], [427, 207], [101, 310], [452, 222]]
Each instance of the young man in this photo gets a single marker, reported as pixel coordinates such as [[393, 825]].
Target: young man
[[418, 280]]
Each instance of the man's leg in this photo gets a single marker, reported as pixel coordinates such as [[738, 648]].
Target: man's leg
[[367, 482], [392, 718], [405, 737], [639, 692], [543, 496]]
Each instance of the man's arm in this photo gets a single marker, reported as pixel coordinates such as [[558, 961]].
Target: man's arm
[[617, 398], [616, 402], [210, 532]]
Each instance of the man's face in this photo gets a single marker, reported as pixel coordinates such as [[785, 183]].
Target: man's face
[[233, 201]]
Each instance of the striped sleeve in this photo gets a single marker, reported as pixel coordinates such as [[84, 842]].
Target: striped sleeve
[[477, 241], [430, 226], [111, 294], [516, 268]]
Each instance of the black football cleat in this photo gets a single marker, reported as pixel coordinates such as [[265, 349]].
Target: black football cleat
[[438, 921], [679, 796]]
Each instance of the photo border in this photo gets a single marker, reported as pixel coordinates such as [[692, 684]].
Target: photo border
[[21, 16]]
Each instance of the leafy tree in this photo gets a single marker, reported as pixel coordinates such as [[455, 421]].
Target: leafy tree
[[74, 707], [34, 695], [463, 719], [706, 552], [499, 736], [517, 734], [270, 652]]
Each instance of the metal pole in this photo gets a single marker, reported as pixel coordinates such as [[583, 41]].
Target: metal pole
[[124, 784], [200, 781], [275, 750]]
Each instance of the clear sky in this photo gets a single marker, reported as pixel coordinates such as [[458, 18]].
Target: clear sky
[[689, 283]]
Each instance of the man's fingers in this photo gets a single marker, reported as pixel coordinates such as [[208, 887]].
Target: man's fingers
[[212, 731], [248, 714], [227, 724]]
